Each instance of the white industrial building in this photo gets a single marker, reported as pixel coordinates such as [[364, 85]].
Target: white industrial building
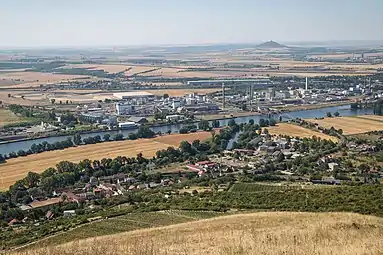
[[124, 109], [132, 95]]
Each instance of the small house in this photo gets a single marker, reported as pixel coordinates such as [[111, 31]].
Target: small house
[[69, 213]]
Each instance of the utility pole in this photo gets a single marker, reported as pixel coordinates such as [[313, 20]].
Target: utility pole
[[223, 95]]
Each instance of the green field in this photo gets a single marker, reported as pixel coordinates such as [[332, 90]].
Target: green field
[[7, 117], [128, 222]]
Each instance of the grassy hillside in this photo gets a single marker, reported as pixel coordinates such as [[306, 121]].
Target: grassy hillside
[[256, 233]]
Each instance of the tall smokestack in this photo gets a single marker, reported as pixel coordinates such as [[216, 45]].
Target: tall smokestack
[[223, 95], [307, 84]]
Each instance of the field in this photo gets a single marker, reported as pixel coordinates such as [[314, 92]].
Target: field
[[255, 233], [297, 131], [15, 169], [262, 187], [128, 222], [352, 125], [176, 139], [34, 79], [8, 117]]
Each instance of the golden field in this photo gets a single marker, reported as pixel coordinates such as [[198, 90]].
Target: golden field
[[17, 168], [29, 79], [297, 131], [352, 125], [255, 233]]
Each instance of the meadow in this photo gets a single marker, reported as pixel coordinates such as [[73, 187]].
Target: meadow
[[124, 223], [255, 233]]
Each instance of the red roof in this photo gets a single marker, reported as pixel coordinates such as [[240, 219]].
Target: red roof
[[194, 168], [203, 163]]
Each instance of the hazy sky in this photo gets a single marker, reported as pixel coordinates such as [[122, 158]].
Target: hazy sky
[[147, 22]]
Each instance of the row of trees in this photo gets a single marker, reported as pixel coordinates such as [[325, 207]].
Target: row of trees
[[143, 132]]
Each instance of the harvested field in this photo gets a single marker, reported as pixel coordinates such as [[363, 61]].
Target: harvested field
[[106, 68], [39, 77], [168, 72], [181, 92], [255, 233], [351, 125], [297, 131], [371, 117], [16, 169], [176, 139]]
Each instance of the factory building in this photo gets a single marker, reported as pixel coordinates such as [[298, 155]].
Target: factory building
[[133, 95], [124, 109]]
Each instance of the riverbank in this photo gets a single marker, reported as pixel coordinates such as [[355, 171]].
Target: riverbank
[[278, 110], [16, 168], [174, 128]]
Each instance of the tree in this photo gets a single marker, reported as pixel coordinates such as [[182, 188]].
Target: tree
[[336, 114], [272, 122], [106, 137], [132, 136], [251, 121], [328, 114], [216, 124], [53, 101], [145, 132], [159, 116], [32, 179], [204, 125], [243, 107], [169, 132], [262, 123], [77, 139], [9, 95], [118, 137], [166, 96], [2, 160], [185, 146], [231, 123]]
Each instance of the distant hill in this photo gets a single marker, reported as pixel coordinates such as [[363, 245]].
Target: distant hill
[[271, 45], [255, 233]]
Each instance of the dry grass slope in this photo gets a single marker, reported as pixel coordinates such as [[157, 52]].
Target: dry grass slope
[[257, 233]]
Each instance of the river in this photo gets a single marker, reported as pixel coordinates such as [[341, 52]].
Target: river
[[344, 110]]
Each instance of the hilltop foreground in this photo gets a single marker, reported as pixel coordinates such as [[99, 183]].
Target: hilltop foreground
[[256, 233]]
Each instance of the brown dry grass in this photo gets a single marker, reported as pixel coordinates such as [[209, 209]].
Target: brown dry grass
[[297, 131], [256, 233], [16, 169], [351, 125]]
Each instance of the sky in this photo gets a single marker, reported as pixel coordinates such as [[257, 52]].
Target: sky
[[38, 23]]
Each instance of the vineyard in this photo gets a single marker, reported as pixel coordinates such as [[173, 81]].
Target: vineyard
[[255, 187], [258, 187], [128, 222]]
